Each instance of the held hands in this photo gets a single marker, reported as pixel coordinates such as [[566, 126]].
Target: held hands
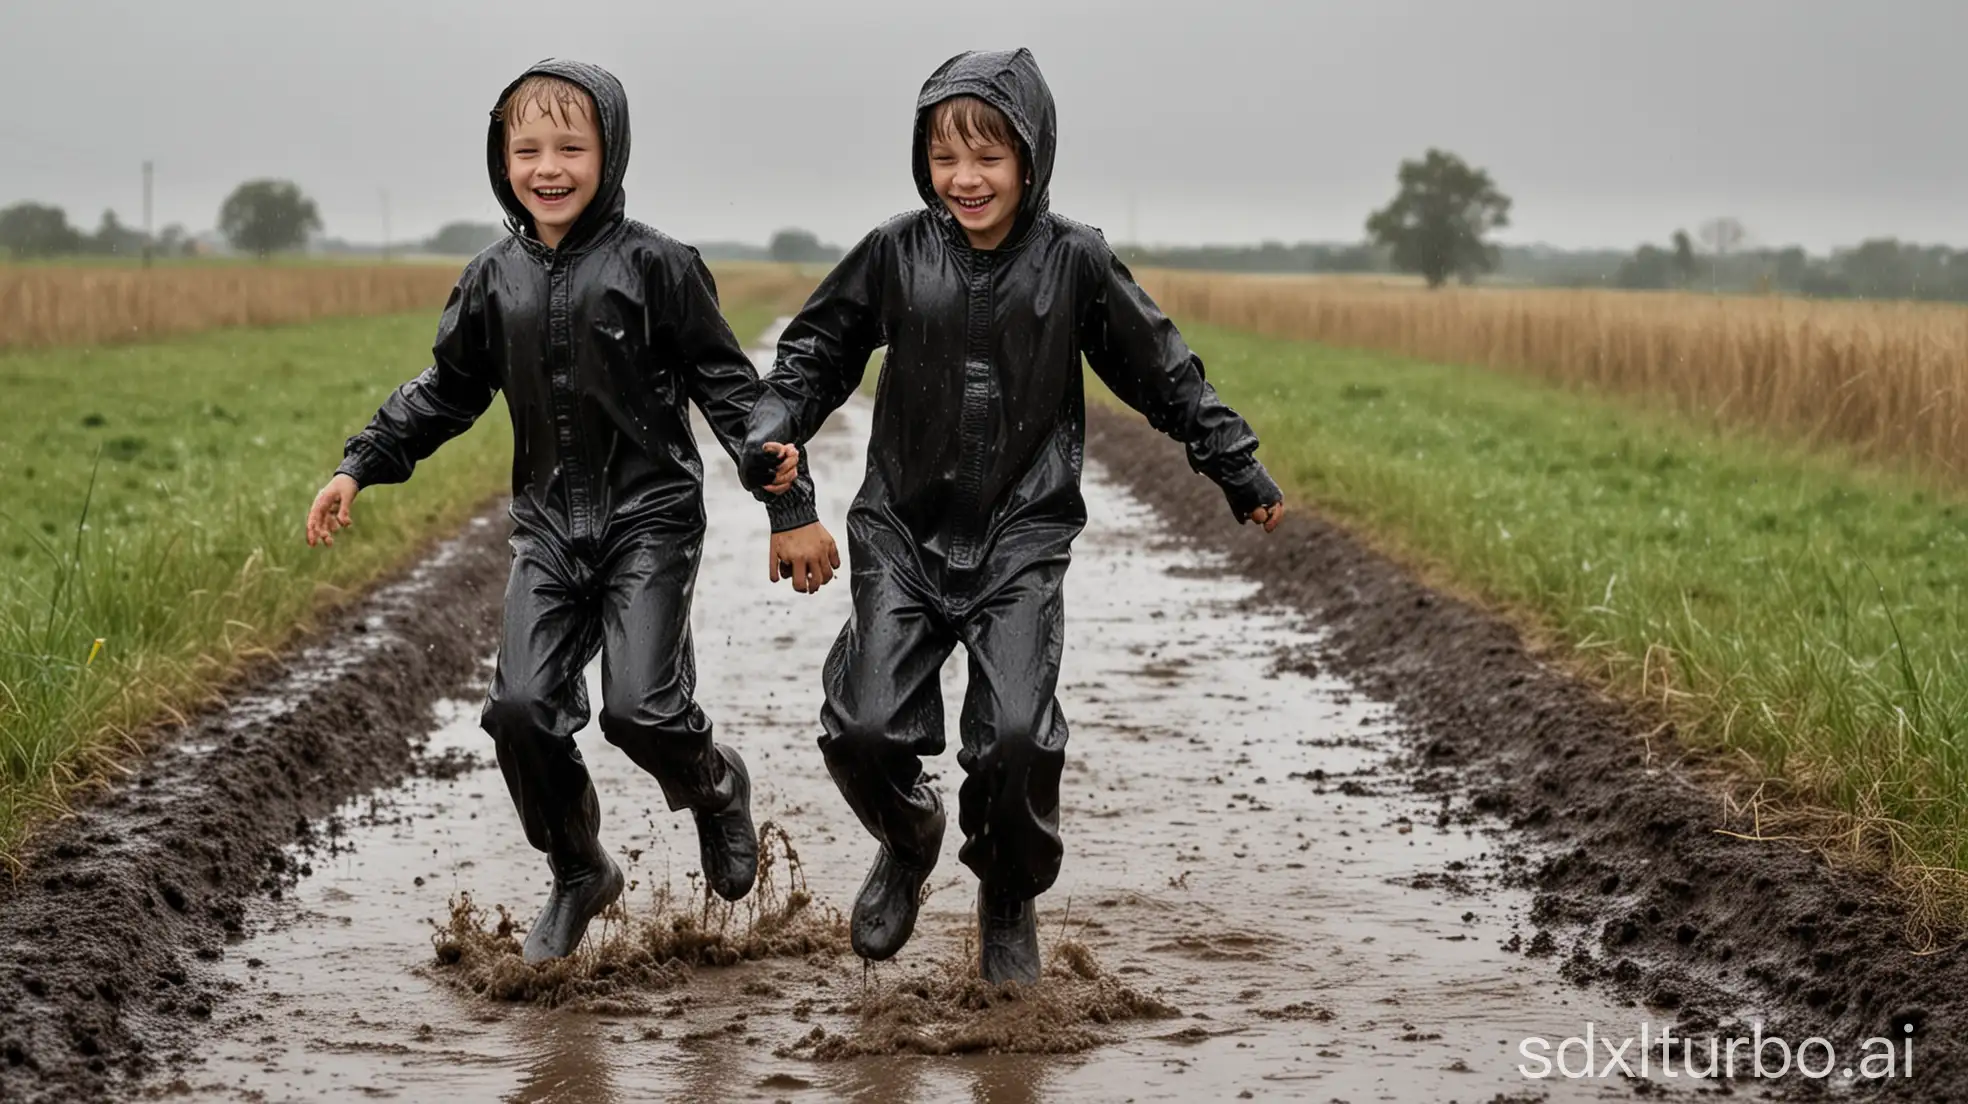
[[331, 511], [787, 470], [807, 556], [1269, 516]]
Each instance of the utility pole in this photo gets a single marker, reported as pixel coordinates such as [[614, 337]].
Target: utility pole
[[147, 235]]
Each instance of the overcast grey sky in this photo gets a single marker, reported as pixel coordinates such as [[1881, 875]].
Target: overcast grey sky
[[1816, 122]]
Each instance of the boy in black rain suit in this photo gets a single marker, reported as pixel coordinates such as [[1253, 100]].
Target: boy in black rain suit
[[600, 331], [962, 531]]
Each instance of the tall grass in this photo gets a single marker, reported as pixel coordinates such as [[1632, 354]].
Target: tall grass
[[50, 305], [1886, 382]]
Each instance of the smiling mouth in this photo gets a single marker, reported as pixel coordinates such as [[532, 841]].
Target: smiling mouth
[[972, 206], [553, 194]]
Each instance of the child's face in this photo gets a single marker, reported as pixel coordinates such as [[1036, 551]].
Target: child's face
[[980, 184], [553, 161]]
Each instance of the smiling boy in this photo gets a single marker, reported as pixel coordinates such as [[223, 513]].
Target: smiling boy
[[963, 529], [599, 331]]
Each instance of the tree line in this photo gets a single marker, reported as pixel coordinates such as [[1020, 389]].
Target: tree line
[[1880, 268], [1437, 225], [1444, 209], [259, 217], [263, 217]]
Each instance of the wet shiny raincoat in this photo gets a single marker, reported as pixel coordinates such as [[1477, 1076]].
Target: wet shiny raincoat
[[962, 530], [599, 346]]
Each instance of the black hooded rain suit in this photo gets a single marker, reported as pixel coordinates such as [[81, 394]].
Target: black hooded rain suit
[[962, 530], [599, 346]]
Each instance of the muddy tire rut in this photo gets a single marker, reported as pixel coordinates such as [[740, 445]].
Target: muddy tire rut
[[1644, 887], [110, 933]]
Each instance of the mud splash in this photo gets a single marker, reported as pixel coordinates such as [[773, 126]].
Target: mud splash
[[950, 1009], [631, 954]]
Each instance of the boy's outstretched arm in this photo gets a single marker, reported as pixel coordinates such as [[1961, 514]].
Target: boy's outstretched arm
[[721, 380], [825, 349], [1142, 358], [442, 402]]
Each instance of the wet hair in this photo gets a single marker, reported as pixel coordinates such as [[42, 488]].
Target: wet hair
[[557, 96], [974, 121]]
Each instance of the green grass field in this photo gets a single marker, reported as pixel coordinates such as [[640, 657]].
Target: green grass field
[[1790, 606], [152, 497]]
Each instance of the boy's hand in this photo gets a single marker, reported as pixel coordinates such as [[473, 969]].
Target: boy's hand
[[331, 511], [788, 469], [806, 555], [1269, 516]]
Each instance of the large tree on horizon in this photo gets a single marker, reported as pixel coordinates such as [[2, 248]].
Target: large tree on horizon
[[266, 216], [1436, 221]]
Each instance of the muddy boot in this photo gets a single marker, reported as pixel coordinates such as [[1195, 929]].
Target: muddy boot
[[727, 844], [1008, 938], [885, 910], [578, 896]]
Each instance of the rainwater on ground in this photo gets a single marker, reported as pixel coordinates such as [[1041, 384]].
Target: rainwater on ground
[[1252, 905]]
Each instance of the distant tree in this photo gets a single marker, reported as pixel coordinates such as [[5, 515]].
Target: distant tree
[[37, 230], [1722, 235], [115, 239], [1881, 269], [264, 216], [1685, 264], [800, 246], [171, 241], [1792, 266], [1650, 268], [464, 239], [1436, 221]]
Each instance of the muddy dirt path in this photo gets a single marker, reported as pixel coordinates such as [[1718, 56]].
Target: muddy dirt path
[[1266, 909]]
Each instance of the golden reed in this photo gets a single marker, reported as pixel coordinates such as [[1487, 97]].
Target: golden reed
[[43, 305], [1887, 380]]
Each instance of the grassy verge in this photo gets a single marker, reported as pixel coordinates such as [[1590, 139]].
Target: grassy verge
[[151, 500], [1795, 610]]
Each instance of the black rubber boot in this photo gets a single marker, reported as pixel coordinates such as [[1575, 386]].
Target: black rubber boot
[[727, 844], [1008, 938], [578, 896], [885, 910]]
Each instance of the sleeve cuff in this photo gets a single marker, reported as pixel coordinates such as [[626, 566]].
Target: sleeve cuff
[[792, 510], [1248, 488], [368, 467], [357, 466]]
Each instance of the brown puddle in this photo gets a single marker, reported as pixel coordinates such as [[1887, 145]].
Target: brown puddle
[[1252, 902]]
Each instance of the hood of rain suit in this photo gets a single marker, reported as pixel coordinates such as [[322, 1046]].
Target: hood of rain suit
[[1010, 81], [612, 106], [975, 457], [599, 346]]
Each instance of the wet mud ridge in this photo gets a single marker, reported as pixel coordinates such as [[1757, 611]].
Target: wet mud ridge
[[110, 934], [1636, 890]]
